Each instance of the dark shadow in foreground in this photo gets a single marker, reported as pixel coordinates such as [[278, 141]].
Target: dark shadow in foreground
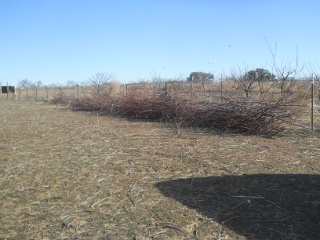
[[255, 206]]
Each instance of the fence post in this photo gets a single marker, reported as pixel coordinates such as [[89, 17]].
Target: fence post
[[221, 87], [192, 84], [78, 94], [36, 92], [7, 90], [204, 87], [166, 88], [312, 101]]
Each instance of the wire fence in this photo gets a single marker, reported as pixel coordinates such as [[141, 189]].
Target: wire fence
[[310, 94], [45, 93]]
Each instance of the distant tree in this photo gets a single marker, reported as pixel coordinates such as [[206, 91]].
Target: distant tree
[[100, 82], [39, 84], [259, 75], [71, 83], [200, 77], [25, 83], [52, 85], [254, 80]]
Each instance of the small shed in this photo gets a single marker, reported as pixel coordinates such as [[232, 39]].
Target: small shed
[[7, 89]]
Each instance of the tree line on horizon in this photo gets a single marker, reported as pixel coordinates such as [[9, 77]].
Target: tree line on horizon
[[254, 75]]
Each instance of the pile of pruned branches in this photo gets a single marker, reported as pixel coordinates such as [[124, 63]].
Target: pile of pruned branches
[[186, 110], [159, 107], [253, 102], [241, 115], [60, 99]]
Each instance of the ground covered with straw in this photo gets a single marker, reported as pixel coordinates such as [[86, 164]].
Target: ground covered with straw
[[79, 175]]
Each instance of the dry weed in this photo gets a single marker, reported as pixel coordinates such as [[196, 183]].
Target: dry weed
[[78, 175]]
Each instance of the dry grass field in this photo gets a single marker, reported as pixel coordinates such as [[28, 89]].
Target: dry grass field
[[78, 175]]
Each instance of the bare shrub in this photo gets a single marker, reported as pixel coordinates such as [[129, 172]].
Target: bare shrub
[[100, 82]]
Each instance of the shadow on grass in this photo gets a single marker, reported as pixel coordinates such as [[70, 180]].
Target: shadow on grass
[[254, 206]]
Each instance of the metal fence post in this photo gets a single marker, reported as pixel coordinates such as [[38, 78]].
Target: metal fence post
[[312, 101], [36, 92], [221, 87]]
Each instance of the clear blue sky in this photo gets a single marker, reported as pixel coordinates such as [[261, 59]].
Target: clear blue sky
[[57, 41]]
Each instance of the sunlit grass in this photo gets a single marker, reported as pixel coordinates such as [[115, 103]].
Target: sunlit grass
[[74, 175]]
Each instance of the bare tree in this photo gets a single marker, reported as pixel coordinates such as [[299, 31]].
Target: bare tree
[[243, 82], [25, 83], [200, 77], [72, 83], [39, 83], [100, 82]]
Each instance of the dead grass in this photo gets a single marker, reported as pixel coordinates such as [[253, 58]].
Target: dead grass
[[78, 175]]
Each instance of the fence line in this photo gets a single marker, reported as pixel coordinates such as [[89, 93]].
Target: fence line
[[45, 93], [220, 89]]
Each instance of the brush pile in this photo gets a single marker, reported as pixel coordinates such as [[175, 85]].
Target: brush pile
[[234, 115], [60, 99]]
